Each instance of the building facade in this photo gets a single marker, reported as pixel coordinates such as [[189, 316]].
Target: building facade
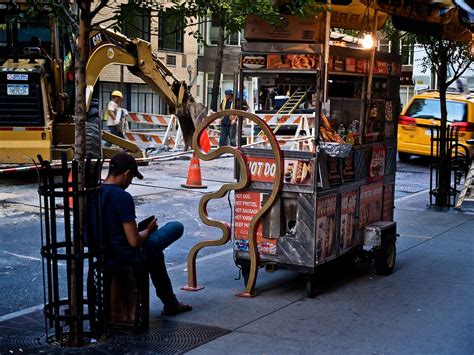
[[172, 45]]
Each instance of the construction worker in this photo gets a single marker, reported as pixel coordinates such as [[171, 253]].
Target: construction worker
[[113, 122], [228, 124]]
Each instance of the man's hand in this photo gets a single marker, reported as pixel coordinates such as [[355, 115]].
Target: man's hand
[[153, 226], [233, 119], [136, 238]]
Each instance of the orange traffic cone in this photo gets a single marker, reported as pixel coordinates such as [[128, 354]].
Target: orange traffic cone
[[194, 180]]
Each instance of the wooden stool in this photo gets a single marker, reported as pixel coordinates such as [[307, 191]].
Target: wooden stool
[[127, 298]]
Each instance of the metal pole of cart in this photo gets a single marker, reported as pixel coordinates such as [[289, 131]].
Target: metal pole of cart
[[327, 34], [368, 92]]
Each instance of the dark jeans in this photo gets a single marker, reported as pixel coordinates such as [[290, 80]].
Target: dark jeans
[[153, 248], [228, 132]]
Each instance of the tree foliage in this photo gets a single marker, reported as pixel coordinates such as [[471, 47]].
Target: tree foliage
[[441, 54]]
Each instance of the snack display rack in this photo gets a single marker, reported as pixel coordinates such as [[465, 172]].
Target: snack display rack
[[338, 185]]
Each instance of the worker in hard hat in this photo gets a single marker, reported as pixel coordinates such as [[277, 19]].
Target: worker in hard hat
[[112, 115]]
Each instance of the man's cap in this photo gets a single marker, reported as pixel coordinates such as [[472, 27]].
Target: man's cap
[[229, 92], [117, 93], [122, 162]]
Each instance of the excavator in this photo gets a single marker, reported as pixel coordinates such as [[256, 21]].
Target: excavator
[[37, 87]]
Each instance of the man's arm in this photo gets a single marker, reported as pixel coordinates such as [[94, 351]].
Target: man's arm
[[134, 237], [111, 108]]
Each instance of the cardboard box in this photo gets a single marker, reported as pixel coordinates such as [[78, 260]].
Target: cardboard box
[[289, 29]]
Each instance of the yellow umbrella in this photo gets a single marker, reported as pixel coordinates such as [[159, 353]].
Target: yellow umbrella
[[356, 16], [436, 11]]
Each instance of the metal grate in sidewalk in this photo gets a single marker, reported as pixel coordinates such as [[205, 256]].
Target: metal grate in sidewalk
[[163, 337]]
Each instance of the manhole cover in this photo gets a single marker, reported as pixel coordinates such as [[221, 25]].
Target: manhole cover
[[164, 337]]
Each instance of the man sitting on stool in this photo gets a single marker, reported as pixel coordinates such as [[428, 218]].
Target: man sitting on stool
[[124, 245]]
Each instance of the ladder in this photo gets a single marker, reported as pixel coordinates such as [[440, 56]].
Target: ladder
[[293, 102], [467, 191]]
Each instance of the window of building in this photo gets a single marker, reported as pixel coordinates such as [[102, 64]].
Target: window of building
[[137, 24], [407, 50], [144, 99], [202, 31], [384, 45], [234, 39], [170, 31], [137, 98], [171, 60]]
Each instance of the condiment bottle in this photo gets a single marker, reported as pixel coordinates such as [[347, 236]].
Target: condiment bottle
[[341, 131]]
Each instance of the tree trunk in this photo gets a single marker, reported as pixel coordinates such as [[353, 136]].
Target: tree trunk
[[444, 185], [218, 69], [77, 266], [82, 54]]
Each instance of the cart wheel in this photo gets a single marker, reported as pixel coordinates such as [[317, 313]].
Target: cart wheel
[[384, 260], [311, 287]]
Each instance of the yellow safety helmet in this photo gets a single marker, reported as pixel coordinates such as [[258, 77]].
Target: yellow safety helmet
[[117, 93]]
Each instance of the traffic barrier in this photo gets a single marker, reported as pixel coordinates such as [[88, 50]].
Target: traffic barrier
[[149, 137], [299, 121], [150, 119], [168, 132]]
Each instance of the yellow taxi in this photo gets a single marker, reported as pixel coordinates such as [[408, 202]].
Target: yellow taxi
[[423, 111]]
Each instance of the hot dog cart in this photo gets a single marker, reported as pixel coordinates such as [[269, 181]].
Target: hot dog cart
[[315, 162], [339, 157]]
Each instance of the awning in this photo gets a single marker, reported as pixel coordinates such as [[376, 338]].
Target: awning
[[448, 19]]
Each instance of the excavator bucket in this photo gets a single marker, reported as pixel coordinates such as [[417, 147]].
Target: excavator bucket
[[189, 118]]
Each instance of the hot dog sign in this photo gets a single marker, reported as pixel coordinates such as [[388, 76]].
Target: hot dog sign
[[298, 172]]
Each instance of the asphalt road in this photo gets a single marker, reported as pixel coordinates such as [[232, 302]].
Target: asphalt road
[[160, 193]]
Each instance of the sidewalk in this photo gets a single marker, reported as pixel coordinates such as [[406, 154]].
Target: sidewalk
[[426, 306]]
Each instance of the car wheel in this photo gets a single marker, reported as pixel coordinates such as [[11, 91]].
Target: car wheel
[[404, 157]]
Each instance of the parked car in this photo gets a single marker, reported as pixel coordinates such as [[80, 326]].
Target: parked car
[[423, 111]]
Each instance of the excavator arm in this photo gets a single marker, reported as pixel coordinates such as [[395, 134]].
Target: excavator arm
[[108, 47]]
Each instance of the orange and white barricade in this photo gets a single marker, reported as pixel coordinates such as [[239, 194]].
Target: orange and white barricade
[[158, 129], [293, 142]]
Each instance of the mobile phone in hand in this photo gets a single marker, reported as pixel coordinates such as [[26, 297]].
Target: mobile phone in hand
[[143, 224]]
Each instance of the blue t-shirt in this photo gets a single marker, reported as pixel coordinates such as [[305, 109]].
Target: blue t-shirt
[[118, 208]]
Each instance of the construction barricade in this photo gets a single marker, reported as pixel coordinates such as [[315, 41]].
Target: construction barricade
[[300, 125], [155, 129]]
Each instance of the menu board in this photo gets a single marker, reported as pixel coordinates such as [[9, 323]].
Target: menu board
[[370, 209], [298, 172], [247, 205], [348, 173], [326, 227], [303, 61], [293, 61], [295, 171], [377, 164], [334, 171], [348, 219]]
